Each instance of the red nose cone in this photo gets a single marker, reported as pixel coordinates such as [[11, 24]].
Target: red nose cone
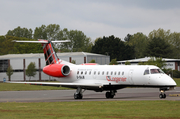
[[53, 70]]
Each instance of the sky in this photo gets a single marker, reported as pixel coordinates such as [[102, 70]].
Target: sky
[[96, 18]]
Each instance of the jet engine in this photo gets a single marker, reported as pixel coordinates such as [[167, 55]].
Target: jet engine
[[57, 70]]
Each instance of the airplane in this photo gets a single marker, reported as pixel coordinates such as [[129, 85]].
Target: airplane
[[91, 76]]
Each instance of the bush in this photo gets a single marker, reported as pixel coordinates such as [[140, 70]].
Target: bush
[[176, 74]]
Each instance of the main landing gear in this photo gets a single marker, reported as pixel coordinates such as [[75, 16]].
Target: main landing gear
[[110, 94], [162, 94], [78, 94]]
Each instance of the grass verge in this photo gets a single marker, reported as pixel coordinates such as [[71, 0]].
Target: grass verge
[[177, 80], [25, 87], [91, 110]]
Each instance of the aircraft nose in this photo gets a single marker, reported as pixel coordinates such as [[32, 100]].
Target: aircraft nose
[[167, 80], [171, 81]]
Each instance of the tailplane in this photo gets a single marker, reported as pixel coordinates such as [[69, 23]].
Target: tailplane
[[49, 53]]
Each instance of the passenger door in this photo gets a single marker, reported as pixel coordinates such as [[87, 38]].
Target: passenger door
[[130, 76]]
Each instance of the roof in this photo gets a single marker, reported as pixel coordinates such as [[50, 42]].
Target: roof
[[146, 59], [41, 55]]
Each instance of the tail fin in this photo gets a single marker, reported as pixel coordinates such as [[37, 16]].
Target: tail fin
[[49, 53]]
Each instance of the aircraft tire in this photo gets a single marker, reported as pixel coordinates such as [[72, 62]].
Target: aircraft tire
[[112, 96], [161, 96], [78, 96], [75, 96], [164, 96], [108, 94]]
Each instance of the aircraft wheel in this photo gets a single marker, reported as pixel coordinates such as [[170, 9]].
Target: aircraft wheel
[[112, 96], [161, 96], [75, 96], [108, 94], [78, 96], [164, 96]]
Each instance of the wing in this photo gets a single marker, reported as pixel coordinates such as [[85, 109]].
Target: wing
[[90, 86]]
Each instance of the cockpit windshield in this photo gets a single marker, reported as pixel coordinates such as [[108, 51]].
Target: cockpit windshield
[[155, 71]]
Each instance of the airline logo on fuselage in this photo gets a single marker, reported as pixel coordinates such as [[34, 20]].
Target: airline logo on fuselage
[[116, 79]]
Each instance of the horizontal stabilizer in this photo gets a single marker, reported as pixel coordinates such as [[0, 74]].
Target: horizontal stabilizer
[[42, 41]]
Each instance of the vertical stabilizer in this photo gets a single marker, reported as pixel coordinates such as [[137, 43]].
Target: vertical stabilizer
[[49, 53]]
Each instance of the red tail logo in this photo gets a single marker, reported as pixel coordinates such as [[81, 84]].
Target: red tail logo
[[49, 53]]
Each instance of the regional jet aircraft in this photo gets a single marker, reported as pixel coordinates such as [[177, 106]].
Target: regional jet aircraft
[[91, 76]]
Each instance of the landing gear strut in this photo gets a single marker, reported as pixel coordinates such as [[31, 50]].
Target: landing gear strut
[[162, 94], [78, 94], [110, 94]]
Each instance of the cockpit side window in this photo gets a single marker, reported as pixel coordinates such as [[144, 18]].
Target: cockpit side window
[[146, 72]]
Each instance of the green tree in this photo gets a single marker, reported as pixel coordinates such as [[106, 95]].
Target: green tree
[[127, 63], [79, 41], [160, 33], [158, 47], [52, 31], [167, 71], [73, 61], [9, 72], [9, 47], [174, 40], [139, 42], [113, 62], [159, 62], [20, 32], [128, 37], [31, 70], [92, 61], [114, 47], [40, 32]]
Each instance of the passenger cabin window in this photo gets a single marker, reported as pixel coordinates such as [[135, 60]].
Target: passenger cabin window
[[118, 73], [156, 71], [94, 72], [146, 72], [98, 72], [111, 73], [114, 73], [82, 72], [90, 73], [107, 73], [103, 73], [77, 72], [85, 72], [122, 73]]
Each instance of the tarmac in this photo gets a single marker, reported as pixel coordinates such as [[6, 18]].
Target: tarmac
[[128, 94]]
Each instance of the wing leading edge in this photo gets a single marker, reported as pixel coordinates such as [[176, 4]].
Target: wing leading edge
[[71, 85]]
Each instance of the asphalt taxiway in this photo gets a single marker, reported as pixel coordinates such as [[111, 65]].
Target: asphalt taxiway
[[67, 95]]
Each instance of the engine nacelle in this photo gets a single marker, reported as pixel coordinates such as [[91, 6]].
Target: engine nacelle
[[57, 70]]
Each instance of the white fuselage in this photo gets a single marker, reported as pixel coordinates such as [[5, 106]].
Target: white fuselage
[[128, 75]]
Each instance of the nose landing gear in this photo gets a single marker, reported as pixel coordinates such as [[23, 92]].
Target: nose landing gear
[[162, 94]]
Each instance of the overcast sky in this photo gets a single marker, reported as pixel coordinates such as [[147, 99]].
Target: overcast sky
[[96, 18]]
